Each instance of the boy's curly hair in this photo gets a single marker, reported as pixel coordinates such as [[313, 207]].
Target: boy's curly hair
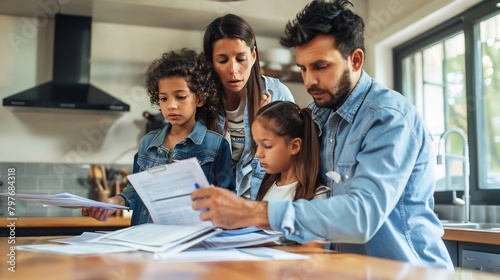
[[200, 78]]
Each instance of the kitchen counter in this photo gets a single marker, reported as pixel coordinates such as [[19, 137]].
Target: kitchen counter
[[59, 225], [323, 264], [472, 235]]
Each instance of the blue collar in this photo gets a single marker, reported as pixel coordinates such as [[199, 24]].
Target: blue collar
[[351, 106], [196, 136]]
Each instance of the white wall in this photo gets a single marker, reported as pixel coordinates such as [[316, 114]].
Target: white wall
[[392, 22], [120, 55]]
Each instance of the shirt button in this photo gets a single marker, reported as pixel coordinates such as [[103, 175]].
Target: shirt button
[[145, 212], [331, 140], [346, 177], [296, 232]]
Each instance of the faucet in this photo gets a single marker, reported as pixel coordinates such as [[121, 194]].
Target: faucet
[[465, 202]]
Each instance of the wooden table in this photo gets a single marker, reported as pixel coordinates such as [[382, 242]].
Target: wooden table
[[323, 264]]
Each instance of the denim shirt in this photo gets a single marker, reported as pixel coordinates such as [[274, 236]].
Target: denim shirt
[[383, 204], [250, 175], [210, 148]]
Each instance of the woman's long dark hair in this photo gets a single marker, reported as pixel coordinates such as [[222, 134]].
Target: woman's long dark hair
[[233, 26], [286, 119]]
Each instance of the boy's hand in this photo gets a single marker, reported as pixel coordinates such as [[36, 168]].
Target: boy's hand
[[100, 213]]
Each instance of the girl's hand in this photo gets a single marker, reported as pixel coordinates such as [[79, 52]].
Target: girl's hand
[[265, 99], [100, 213]]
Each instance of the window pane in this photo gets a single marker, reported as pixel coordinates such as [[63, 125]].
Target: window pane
[[489, 117], [455, 82], [433, 64], [435, 80], [434, 108]]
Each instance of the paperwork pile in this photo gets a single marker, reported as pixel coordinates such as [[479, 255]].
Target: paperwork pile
[[166, 192], [157, 237]]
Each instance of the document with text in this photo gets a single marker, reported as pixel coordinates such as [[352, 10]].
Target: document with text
[[166, 192]]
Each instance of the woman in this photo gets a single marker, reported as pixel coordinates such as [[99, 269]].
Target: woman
[[229, 44]]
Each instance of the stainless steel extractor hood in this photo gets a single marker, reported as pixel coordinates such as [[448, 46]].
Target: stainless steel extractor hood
[[70, 87]]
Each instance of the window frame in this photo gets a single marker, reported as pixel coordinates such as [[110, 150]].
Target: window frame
[[468, 23]]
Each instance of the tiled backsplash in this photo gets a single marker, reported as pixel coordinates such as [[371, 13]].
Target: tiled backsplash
[[49, 178]]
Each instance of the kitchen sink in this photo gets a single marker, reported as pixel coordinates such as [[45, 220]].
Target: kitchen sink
[[472, 225]]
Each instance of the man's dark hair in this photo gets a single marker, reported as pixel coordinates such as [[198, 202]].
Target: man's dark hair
[[328, 18]]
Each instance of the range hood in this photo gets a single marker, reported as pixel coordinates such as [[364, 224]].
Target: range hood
[[70, 87]]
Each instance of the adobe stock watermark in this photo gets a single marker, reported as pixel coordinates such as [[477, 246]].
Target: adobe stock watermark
[[222, 8], [48, 8], [382, 18], [93, 138], [11, 220]]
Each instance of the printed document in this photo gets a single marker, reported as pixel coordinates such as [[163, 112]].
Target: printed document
[[166, 192]]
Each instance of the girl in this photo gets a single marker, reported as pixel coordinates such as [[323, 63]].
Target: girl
[[287, 146], [182, 85], [230, 46]]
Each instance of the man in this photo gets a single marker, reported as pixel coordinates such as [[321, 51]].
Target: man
[[376, 155]]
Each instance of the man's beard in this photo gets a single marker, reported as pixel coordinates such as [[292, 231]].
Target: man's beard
[[343, 88]]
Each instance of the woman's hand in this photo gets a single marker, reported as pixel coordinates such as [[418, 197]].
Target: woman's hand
[[265, 99], [100, 213]]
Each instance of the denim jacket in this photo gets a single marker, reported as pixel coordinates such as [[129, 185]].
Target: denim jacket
[[210, 148], [383, 204], [249, 174]]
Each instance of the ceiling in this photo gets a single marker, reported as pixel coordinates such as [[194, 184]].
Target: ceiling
[[267, 17]]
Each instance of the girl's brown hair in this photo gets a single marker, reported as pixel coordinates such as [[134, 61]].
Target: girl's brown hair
[[286, 119], [233, 26], [200, 78]]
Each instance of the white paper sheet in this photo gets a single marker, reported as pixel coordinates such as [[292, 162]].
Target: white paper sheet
[[76, 249], [64, 200], [86, 236], [246, 254], [166, 192], [237, 241]]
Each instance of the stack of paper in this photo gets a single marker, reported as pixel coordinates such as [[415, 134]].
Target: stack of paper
[[158, 238], [224, 241], [76, 248], [65, 200]]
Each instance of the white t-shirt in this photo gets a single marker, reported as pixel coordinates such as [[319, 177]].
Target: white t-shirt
[[236, 131], [287, 192]]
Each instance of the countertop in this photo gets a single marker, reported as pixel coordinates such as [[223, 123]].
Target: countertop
[[467, 235], [472, 235], [322, 264]]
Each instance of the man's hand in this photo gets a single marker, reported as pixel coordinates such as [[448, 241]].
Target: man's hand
[[100, 213], [227, 210]]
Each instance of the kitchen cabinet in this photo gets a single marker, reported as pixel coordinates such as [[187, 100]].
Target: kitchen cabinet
[[474, 249]]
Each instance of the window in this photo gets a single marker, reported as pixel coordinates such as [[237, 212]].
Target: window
[[452, 75], [489, 118]]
